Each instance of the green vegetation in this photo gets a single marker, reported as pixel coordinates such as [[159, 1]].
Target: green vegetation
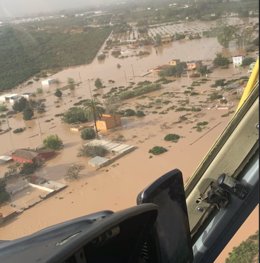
[[19, 130], [247, 61], [20, 104], [75, 115], [138, 91], [26, 51], [247, 251], [173, 70], [3, 108], [58, 93], [129, 113], [28, 113], [4, 196], [88, 134], [73, 172], [71, 83], [172, 137], [200, 126], [225, 35], [28, 168], [156, 150], [98, 83], [220, 61], [92, 151], [140, 114], [53, 142], [39, 91]]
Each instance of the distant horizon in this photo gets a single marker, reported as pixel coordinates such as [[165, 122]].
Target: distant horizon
[[25, 8]]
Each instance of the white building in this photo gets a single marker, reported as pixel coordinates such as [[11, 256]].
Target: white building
[[11, 98], [47, 82], [237, 61]]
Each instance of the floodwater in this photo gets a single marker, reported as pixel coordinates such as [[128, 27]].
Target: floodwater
[[116, 186]]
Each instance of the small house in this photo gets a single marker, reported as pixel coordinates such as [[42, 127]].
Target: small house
[[47, 82], [237, 61], [108, 121], [25, 156], [174, 62], [193, 65]]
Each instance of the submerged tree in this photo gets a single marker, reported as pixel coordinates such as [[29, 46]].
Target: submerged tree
[[225, 35], [53, 142], [96, 109]]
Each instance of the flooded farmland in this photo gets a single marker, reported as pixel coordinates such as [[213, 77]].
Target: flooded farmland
[[116, 186]]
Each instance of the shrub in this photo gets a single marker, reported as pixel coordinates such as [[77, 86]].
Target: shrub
[[28, 113], [247, 61], [172, 137], [19, 130], [92, 151], [156, 150], [220, 61], [140, 113], [88, 134], [39, 90], [28, 168], [3, 108], [20, 104], [75, 115], [98, 83], [53, 142], [58, 93], [101, 57], [129, 112], [4, 196]]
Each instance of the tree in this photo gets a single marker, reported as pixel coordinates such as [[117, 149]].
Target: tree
[[20, 104], [88, 134], [203, 70], [53, 142], [28, 113], [98, 83], [73, 172], [93, 151], [225, 35], [247, 61], [158, 39], [28, 168], [4, 195], [172, 137], [71, 83], [156, 150], [219, 60], [58, 93], [75, 115], [96, 109]]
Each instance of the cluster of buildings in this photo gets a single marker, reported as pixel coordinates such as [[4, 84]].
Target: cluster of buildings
[[28, 156], [12, 98], [190, 65]]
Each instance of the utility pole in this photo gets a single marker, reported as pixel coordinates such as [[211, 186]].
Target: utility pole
[[133, 72], [80, 78], [125, 78], [93, 106], [10, 134]]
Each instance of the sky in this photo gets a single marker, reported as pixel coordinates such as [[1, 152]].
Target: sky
[[12, 8]]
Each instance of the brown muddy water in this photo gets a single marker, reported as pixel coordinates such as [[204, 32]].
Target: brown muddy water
[[116, 186]]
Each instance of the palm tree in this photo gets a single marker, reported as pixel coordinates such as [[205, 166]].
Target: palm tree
[[96, 109]]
